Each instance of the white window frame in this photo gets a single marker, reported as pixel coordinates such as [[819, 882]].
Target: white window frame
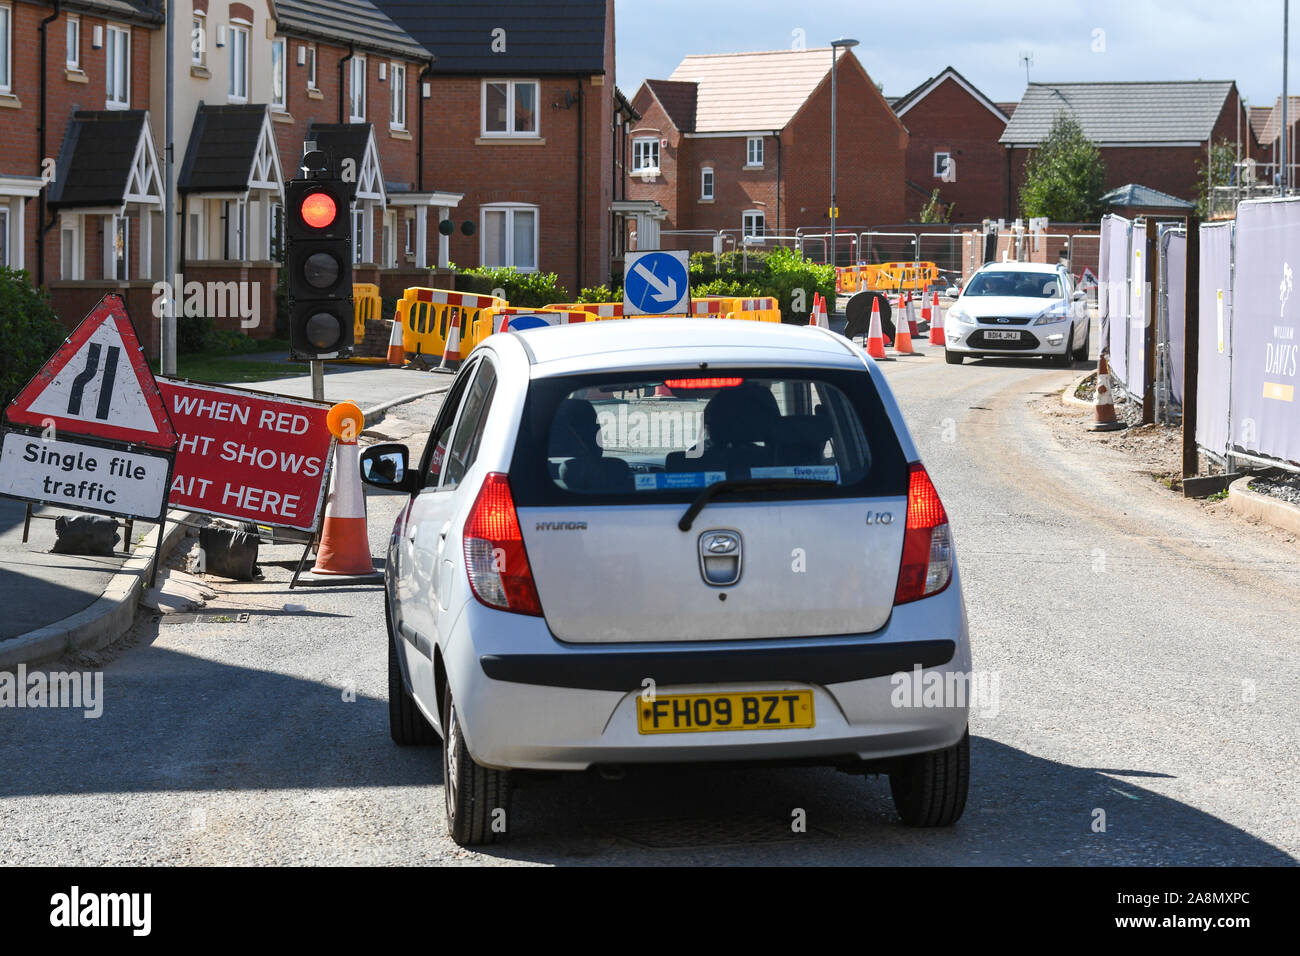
[[754, 152], [749, 215], [410, 237], [708, 182], [110, 239], [199, 38], [4, 235], [311, 67], [236, 230], [388, 237], [239, 37], [358, 225], [939, 171], [510, 131], [115, 99], [70, 226], [73, 38], [274, 224], [196, 246], [638, 169], [509, 208], [282, 70], [357, 88], [397, 97], [7, 47]]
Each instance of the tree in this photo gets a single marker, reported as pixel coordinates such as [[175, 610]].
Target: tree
[[1216, 172], [29, 331], [1065, 177], [936, 210]]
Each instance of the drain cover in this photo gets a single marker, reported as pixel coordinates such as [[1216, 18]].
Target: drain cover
[[207, 617]]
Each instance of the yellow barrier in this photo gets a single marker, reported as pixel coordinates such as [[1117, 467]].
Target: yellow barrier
[[489, 321], [428, 316], [366, 304]]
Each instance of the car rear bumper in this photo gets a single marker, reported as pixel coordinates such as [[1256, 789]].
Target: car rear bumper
[[1033, 340], [528, 701]]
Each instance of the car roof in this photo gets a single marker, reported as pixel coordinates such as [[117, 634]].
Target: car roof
[[649, 343], [1047, 267]]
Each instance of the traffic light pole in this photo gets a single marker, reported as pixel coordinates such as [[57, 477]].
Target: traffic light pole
[[318, 380]]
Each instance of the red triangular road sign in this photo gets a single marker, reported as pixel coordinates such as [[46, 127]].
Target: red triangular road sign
[[98, 383]]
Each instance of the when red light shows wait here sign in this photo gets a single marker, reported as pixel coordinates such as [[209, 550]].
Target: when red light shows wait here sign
[[248, 455]]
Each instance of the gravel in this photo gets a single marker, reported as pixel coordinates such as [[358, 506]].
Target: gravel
[[1286, 489]]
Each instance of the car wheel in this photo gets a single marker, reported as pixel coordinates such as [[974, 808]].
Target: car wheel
[[1081, 353], [930, 789], [1066, 358], [406, 724], [953, 358], [477, 798]]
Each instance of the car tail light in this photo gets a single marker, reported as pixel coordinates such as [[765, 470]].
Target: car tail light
[[495, 559], [927, 545]]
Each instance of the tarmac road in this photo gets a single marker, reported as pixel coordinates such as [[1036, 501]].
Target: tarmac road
[[1145, 651]]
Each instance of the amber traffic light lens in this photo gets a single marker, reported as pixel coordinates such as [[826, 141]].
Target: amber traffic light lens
[[318, 210], [321, 270]]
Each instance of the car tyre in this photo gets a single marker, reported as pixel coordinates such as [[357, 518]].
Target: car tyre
[[407, 725], [953, 358], [477, 798], [1081, 353], [929, 789]]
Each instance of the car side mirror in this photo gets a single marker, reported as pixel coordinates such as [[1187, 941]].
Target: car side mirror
[[388, 466], [1080, 295]]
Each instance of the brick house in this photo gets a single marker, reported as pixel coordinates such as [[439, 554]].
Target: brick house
[[739, 144], [1150, 133], [953, 132], [521, 121], [1268, 149], [80, 190]]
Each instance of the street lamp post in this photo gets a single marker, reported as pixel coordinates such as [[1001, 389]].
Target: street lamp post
[[847, 44]]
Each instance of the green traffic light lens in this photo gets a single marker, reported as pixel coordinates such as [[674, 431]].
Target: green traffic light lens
[[323, 331]]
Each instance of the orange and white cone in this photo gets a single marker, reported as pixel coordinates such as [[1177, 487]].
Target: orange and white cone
[[344, 549], [451, 351], [505, 325], [911, 316], [936, 322], [1104, 418], [927, 316], [823, 320], [876, 335], [903, 339], [396, 350]]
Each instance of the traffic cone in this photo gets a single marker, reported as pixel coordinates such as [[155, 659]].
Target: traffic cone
[[875, 336], [911, 316], [451, 351], [812, 316], [344, 550], [927, 316], [936, 322], [1104, 418], [903, 340], [823, 320], [505, 324], [396, 350]]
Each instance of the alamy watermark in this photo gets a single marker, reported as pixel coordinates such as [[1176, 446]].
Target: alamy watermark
[[74, 690], [211, 299]]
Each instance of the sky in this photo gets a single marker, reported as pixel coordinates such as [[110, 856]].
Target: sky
[[904, 43]]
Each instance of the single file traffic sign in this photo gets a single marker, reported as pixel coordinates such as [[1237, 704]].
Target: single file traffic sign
[[98, 384], [656, 283]]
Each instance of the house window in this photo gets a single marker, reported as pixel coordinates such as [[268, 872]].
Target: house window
[[278, 66], [195, 242], [357, 89], [754, 151], [940, 164], [199, 38], [706, 183], [311, 67], [117, 247], [645, 155], [754, 225], [275, 231], [510, 107], [235, 231], [390, 240], [4, 236], [118, 70], [238, 44], [410, 238], [510, 236], [68, 251], [6, 30], [74, 43], [398, 92]]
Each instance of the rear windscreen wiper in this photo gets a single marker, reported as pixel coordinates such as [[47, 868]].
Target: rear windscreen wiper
[[746, 484]]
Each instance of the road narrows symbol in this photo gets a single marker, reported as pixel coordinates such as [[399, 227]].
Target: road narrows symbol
[[79, 383], [87, 375]]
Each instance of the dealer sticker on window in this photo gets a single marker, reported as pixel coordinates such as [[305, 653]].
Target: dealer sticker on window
[[810, 472], [677, 480]]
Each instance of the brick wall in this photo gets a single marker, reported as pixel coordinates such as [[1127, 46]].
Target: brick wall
[[951, 120]]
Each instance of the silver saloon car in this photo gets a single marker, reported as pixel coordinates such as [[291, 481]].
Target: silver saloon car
[[1018, 309], [670, 541]]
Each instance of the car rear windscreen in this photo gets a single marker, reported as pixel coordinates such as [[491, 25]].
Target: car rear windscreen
[[666, 435]]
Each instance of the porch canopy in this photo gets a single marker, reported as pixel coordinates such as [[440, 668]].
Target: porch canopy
[[231, 168], [421, 203], [108, 166], [353, 145]]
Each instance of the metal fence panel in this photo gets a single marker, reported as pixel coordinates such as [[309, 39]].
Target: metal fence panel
[[1114, 281], [1174, 261], [1265, 347], [1214, 357]]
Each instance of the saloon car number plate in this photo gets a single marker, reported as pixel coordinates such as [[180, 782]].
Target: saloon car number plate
[[753, 710], [1010, 335]]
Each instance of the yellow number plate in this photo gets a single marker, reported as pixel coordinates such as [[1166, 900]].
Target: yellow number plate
[[755, 710]]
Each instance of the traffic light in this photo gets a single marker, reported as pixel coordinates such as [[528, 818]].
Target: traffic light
[[319, 265]]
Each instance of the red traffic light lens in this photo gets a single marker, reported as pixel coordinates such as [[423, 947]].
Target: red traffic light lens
[[318, 210]]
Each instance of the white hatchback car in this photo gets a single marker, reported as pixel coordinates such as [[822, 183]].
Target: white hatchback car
[[1015, 309], [655, 541]]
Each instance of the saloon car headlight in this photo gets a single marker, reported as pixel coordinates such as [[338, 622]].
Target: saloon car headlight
[[960, 316], [1051, 317]]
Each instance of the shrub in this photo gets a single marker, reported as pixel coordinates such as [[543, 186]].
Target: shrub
[[229, 341], [527, 289], [30, 331], [600, 293], [783, 272], [192, 333]]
